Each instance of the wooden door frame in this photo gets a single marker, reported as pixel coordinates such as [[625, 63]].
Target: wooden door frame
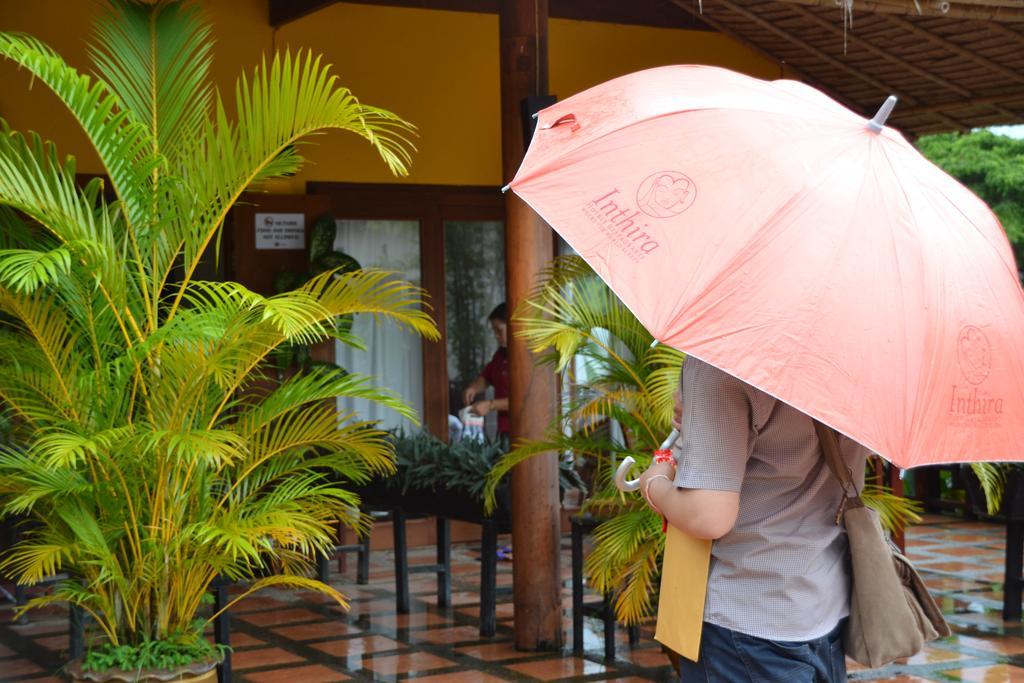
[[431, 206]]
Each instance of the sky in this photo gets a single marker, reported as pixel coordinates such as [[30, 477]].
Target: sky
[[1012, 131]]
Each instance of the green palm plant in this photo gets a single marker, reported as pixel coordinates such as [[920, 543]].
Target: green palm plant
[[575, 322], [146, 445]]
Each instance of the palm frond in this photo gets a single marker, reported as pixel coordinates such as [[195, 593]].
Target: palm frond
[[25, 270], [319, 384], [992, 478], [617, 541], [635, 599], [279, 104], [28, 483], [284, 581], [32, 561], [377, 292], [894, 512], [33, 180], [54, 336], [119, 138], [157, 62], [18, 234], [665, 365], [217, 447], [60, 449]]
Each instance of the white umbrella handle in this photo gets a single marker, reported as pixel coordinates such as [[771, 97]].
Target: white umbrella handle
[[621, 482], [627, 463]]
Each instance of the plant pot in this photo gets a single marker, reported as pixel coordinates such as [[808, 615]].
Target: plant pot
[[197, 672]]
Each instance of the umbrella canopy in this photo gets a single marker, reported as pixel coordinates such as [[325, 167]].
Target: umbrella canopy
[[773, 233]]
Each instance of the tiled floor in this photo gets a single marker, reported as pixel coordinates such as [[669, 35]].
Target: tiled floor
[[299, 639]]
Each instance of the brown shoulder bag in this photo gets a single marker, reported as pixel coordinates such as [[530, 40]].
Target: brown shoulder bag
[[892, 614]]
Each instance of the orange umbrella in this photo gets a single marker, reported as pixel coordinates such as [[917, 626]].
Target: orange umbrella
[[777, 235]]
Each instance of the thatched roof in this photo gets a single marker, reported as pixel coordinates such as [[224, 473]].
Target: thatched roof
[[955, 64]]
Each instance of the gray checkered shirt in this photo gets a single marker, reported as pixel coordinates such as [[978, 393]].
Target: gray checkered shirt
[[781, 572]]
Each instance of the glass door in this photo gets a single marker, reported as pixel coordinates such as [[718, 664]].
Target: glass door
[[474, 264]]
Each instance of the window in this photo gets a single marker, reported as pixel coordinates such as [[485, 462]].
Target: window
[[457, 235]]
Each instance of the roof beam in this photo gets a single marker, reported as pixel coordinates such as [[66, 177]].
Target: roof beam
[[824, 56], [983, 3], [949, 45], [654, 13], [1005, 31], [881, 53], [928, 8], [957, 9], [852, 37], [285, 11], [725, 30], [807, 47], [1002, 100]]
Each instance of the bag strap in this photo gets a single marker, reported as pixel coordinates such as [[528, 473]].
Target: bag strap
[[840, 470]]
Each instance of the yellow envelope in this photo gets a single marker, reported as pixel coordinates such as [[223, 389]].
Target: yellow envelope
[[684, 586]]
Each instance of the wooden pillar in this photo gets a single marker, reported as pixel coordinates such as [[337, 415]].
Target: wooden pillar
[[532, 390]]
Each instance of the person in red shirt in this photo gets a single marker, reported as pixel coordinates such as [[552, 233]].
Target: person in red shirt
[[494, 374]]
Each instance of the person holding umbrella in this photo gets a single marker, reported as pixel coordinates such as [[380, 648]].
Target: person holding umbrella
[[810, 263], [751, 475]]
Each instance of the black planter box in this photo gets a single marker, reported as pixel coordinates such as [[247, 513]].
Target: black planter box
[[459, 507], [445, 504]]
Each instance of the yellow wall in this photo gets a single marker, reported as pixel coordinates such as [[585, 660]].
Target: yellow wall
[[240, 29], [59, 24], [583, 54], [437, 69]]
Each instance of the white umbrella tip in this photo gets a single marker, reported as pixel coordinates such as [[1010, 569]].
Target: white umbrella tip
[[878, 122]]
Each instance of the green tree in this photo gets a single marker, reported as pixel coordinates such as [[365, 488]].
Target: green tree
[[147, 447], [992, 166]]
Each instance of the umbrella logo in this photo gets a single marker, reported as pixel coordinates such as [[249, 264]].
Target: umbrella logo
[[974, 353], [665, 194]]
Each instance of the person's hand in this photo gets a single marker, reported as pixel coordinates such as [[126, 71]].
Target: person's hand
[[481, 408], [677, 411], [656, 471], [468, 394]]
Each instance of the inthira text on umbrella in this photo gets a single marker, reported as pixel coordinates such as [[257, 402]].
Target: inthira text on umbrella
[[974, 402], [620, 219]]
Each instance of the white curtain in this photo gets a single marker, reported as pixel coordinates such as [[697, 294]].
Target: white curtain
[[394, 356]]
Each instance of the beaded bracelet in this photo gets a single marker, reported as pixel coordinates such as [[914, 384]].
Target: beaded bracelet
[[663, 455]]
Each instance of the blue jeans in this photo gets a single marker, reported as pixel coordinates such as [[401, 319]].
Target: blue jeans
[[732, 657]]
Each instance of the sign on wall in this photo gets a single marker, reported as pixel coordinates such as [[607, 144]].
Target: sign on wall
[[280, 231]]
